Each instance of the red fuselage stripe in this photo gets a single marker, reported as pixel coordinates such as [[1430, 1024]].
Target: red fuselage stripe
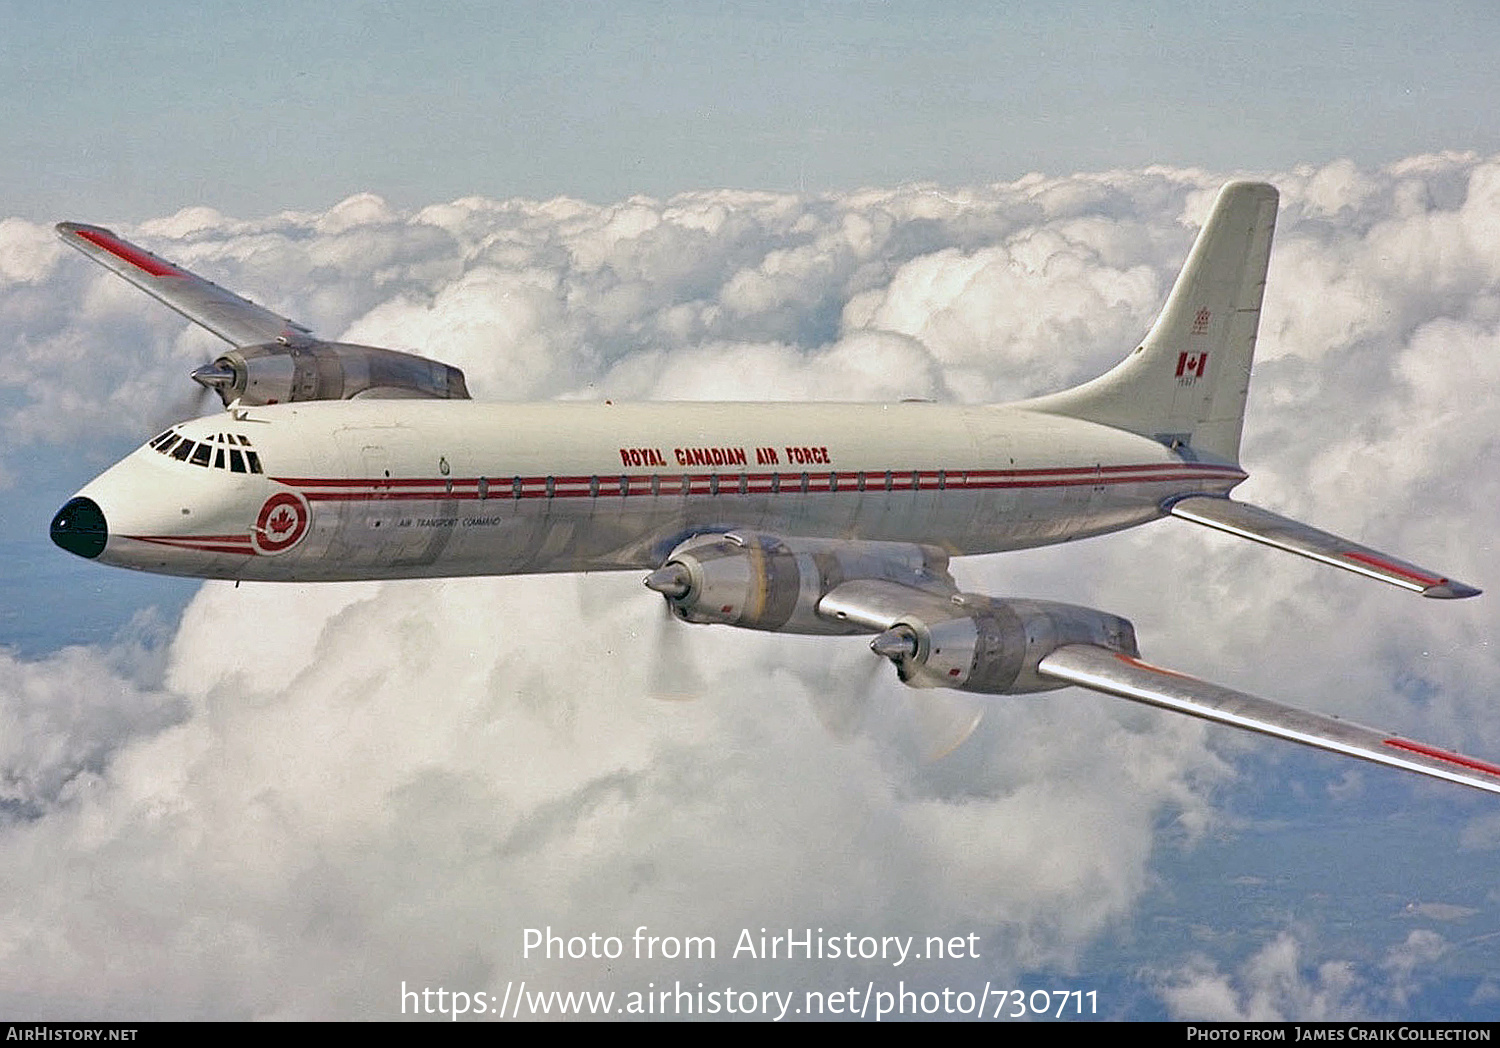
[[874, 478], [222, 539], [201, 543], [320, 489]]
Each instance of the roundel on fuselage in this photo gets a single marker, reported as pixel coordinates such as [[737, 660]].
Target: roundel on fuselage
[[281, 524]]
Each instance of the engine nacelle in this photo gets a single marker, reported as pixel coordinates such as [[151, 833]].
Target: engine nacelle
[[281, 372], [764, 582], [977, 643]]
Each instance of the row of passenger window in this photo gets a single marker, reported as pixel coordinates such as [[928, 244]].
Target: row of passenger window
[[714, 484], [236, 459]]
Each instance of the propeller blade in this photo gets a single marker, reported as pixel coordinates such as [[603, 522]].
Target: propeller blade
[[192, 404], [674, 675], [843, 702], [944, 720]]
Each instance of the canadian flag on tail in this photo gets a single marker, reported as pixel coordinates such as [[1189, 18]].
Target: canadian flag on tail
[[1191, 365]]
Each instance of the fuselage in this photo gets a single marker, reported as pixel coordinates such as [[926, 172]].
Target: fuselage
[[340, 490]]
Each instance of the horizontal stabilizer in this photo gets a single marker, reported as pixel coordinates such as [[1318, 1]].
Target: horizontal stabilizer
[[234, 319], [1252, 522], [1099, 669]]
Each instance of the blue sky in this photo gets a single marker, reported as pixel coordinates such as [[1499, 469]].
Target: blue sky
[[140, 109], [293, 798]]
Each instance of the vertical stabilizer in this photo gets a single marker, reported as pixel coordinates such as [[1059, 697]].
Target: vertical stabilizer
[[1185, 384]]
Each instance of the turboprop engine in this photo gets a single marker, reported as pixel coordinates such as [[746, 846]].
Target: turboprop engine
[[309, 369], [763, 582], [936, 636], [991, 646]]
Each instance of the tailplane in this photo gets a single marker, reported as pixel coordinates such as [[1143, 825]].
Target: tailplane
[[1185, 384]]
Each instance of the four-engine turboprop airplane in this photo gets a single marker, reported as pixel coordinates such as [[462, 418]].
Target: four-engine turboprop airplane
[[336, 461]]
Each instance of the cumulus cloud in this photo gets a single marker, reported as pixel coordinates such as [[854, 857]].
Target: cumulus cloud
[[310, 794], [65, 716], [1277, 984], [417, 770], [1272, 986]]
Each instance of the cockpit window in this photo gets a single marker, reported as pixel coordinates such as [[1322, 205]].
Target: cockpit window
[[210, 452]]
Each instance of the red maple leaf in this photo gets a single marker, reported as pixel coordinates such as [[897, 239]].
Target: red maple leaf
[[281, 521]]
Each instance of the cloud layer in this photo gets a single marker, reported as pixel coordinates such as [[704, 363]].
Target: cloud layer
[[306, 795]]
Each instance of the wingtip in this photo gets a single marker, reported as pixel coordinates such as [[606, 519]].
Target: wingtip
[[66, 229], [1450, 590]]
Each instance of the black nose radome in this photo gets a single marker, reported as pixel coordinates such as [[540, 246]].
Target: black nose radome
[[79, 528]]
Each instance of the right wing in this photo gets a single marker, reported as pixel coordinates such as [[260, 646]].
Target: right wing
[[1272, 529], [234, 319], [1116, 673], [1056, 638], [941, 638]]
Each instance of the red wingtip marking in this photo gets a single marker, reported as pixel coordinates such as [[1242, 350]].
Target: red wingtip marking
[[134, 255], [1396, 569], [1444, 755]]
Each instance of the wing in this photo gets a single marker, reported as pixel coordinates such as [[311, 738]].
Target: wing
[[939, 637], [234, 319], [1260, 525], [1116, 673]]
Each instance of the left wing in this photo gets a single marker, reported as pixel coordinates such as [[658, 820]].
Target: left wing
[[234, 319], [275, 360], [1116, 673]]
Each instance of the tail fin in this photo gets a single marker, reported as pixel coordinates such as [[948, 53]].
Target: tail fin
[[1185, 384]]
